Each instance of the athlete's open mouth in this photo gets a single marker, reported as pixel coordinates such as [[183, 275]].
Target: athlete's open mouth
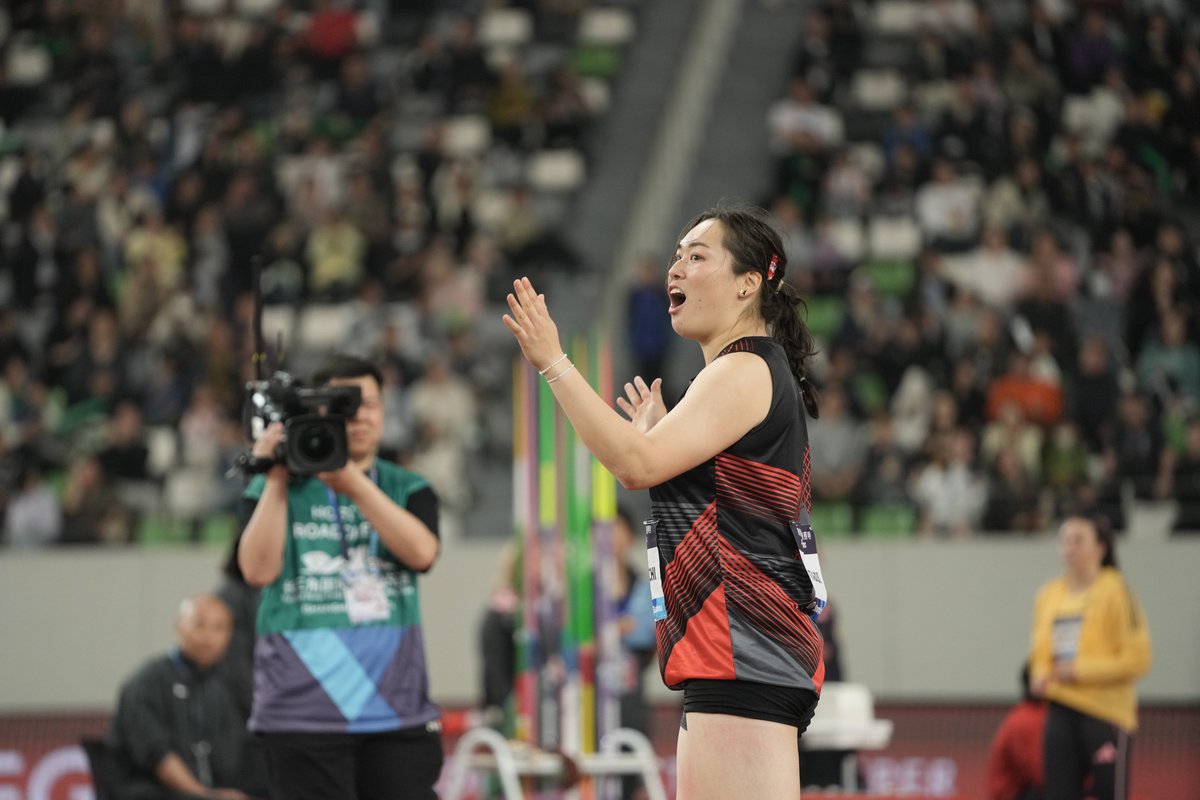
[[677, 297]]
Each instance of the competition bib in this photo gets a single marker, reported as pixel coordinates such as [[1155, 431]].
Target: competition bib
[[658, 603], [366, 597], [1066, 637], [806, 543]]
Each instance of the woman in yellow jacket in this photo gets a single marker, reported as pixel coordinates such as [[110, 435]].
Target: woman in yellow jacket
[[1090, 643]]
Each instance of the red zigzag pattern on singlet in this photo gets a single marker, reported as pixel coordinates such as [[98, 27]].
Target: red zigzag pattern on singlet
[[701, 559], [695, 573], [756, 598], [758, 489]]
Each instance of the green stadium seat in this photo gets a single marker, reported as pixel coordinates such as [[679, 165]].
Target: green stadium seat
[[824, 315], [832, 519], [158, 529], [889, 521], [892, 278], [218, 529], [57, 481], [871, 393], [596, 61]]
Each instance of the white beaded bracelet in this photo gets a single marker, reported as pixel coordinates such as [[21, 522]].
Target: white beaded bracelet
[[543, 372], [559, 375]]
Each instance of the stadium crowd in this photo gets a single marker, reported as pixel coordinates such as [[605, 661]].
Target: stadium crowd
[[995, 203], [376, 158]]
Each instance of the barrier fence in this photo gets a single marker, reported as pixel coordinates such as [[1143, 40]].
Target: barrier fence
[[937, 750]]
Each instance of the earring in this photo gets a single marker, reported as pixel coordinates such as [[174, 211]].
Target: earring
[[743, 293]]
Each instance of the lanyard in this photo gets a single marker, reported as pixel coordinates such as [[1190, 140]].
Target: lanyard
[[337, 515]]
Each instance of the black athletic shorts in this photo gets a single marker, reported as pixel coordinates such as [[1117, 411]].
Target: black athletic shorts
[[785, 704]]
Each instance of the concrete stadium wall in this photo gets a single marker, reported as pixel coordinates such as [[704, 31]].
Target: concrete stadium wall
[[918, 620]]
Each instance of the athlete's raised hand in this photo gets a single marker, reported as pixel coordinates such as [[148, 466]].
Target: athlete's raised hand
[[531, 323]]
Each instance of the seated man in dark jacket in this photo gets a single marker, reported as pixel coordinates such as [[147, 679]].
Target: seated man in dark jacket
[[176, 732]]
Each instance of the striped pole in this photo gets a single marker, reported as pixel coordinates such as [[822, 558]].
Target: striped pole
[[528, 663], [550, 557], [603, 513]]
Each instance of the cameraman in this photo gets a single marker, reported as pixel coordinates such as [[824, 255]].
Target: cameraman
[[341, 693]]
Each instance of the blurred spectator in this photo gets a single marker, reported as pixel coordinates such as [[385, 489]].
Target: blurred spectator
[[839, 446], [1116, 268], [1065, 459], [470, 77], [1183, 483], [1134, 451], [649, 323], [444, 400], [1012, 497], [1029, 83], [802, 134], [949, 491], [1040, 401], [1094, 393], [92, 512], [1014, 763], [124, 453], [1091, 51], [947, 209], [336, 253], [1170, 364], [1017, 202], [1009, 431], [630, 596], [33, 516], [176, 730], [907, 129], [884, 480], [565, 111], [993, 272], [846, 190]]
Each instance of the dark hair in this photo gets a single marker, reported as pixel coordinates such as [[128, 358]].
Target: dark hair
[[751, 238], [1105, 535], [341, 365]]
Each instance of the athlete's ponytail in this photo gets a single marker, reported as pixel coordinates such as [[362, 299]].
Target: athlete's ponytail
[[756, 246]]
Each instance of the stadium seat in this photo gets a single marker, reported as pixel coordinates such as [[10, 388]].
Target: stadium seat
[[162, 442], [889, 521], [591, 60], [466, 135], [596, 93], [606, 25], [57, 481], [893, 278], [878, 89], [871, 393], [278, 320], [896, 17], [555, 170], [824, 315], [323, 326], [160, 529], [848, 238], [28, 62], [204, 8], [869, 157], [218, 529], [831, 519], [893, 237], [505, 27], [256, 8], [100, 764], [188, 492]]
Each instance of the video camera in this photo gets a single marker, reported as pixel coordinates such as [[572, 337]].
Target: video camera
[[314, 421]]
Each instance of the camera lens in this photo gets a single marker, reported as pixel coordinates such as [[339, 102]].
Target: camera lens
[[317, 443]]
